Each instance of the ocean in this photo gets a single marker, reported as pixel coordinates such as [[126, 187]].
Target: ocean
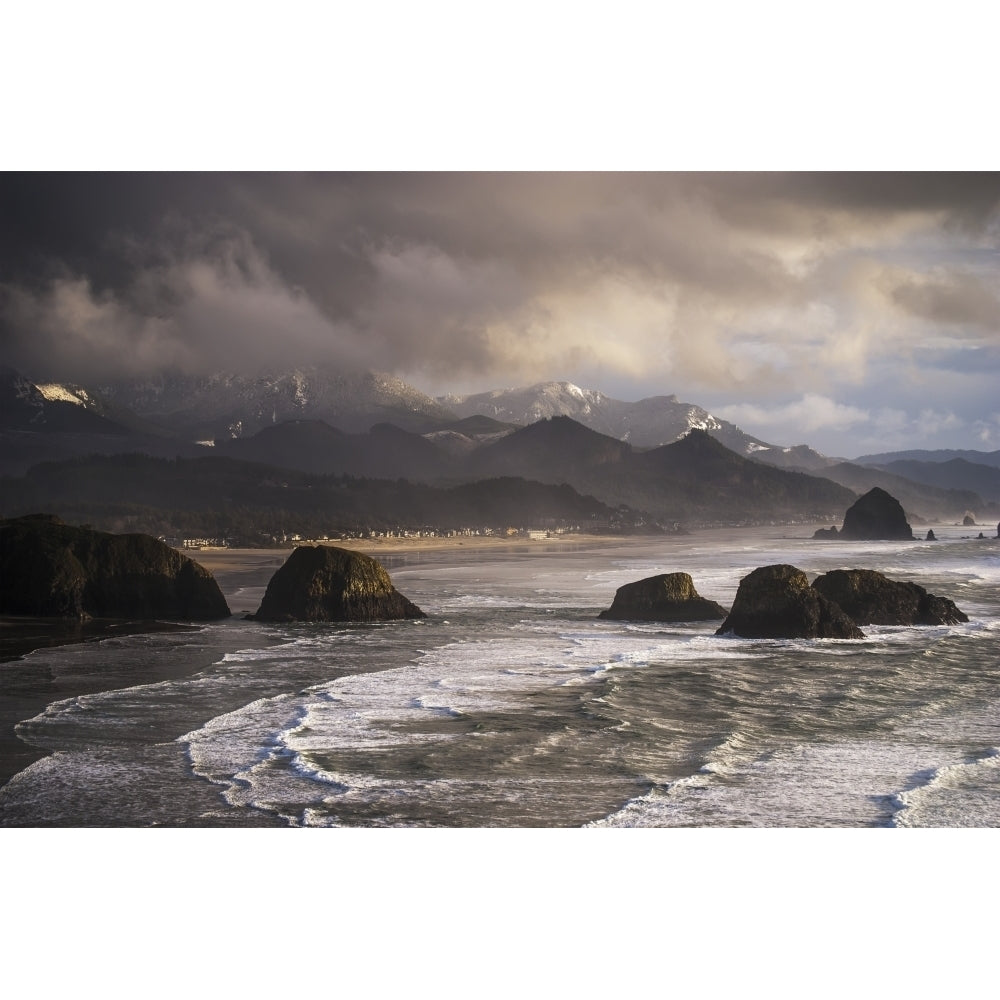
[[512, 705]]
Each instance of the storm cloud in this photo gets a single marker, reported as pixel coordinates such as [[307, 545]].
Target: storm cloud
[[794, 296]]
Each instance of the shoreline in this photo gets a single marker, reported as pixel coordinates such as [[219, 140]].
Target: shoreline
[[221, 560], [27, 687]]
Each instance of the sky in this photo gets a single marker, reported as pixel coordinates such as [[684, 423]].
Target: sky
[[851, 311]]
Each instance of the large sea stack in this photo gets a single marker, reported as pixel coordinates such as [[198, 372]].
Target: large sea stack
[[322, 583], [669, 597], [876, 516], [776, 602], [55, 570], [869, 598]]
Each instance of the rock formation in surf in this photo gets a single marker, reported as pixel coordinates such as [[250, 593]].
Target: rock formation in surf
[[931, 537], [876, 516], [55, 570], [776, 602], [869, 598], [321, 583], [669, 597], [830, 532]]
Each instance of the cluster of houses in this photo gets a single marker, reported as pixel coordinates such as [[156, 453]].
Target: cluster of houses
[[533, 534]]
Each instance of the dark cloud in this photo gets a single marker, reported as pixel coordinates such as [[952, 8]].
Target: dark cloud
[[752, 284], [952, 299]]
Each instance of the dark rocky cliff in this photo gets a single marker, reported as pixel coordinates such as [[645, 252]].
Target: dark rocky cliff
[[52, 569], [326, 583]]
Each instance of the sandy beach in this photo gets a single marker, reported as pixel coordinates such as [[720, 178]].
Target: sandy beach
[[224, 563]]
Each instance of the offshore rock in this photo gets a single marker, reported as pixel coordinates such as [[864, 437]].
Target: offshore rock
[[931, 537], [776, 602], [322, 583], [876, 516], [55, 570], [669, 597], [830, 532], [869, 598]]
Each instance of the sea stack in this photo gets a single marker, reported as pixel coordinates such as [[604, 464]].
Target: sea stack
[[869, 598], [876, 516], [776, 602], [669, 597], [55, 570], [322, 583]]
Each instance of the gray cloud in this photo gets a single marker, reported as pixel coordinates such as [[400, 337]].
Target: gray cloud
[[952, 298]]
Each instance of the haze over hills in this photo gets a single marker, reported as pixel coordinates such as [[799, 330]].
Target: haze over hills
[[273, 421], [921, 501], [937, 455], [696, 479], [956, 473]]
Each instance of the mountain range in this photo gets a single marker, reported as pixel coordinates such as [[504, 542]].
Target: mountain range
[[668, 460], [647, 423], [226, 406]]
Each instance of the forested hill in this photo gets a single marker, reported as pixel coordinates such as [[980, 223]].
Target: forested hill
[[222, 497]]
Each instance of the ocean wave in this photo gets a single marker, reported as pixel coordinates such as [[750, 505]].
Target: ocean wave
[[748, 781], [963, 794]]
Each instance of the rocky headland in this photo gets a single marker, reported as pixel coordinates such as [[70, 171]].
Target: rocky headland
[[55, 570], [669, 597], [323, 583]]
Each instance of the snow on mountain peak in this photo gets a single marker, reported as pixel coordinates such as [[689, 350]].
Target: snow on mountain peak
[[55, 392]]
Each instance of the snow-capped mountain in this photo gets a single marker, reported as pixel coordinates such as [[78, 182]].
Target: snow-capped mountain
[[25, 406], [75, 394], [648, 423], [226, 405], [539, 402]]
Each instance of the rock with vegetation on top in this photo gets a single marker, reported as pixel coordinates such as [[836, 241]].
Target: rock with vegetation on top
[[776, 602], [323, 583], [55, 570], [669, 597], [876, 516], [869, 598]]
